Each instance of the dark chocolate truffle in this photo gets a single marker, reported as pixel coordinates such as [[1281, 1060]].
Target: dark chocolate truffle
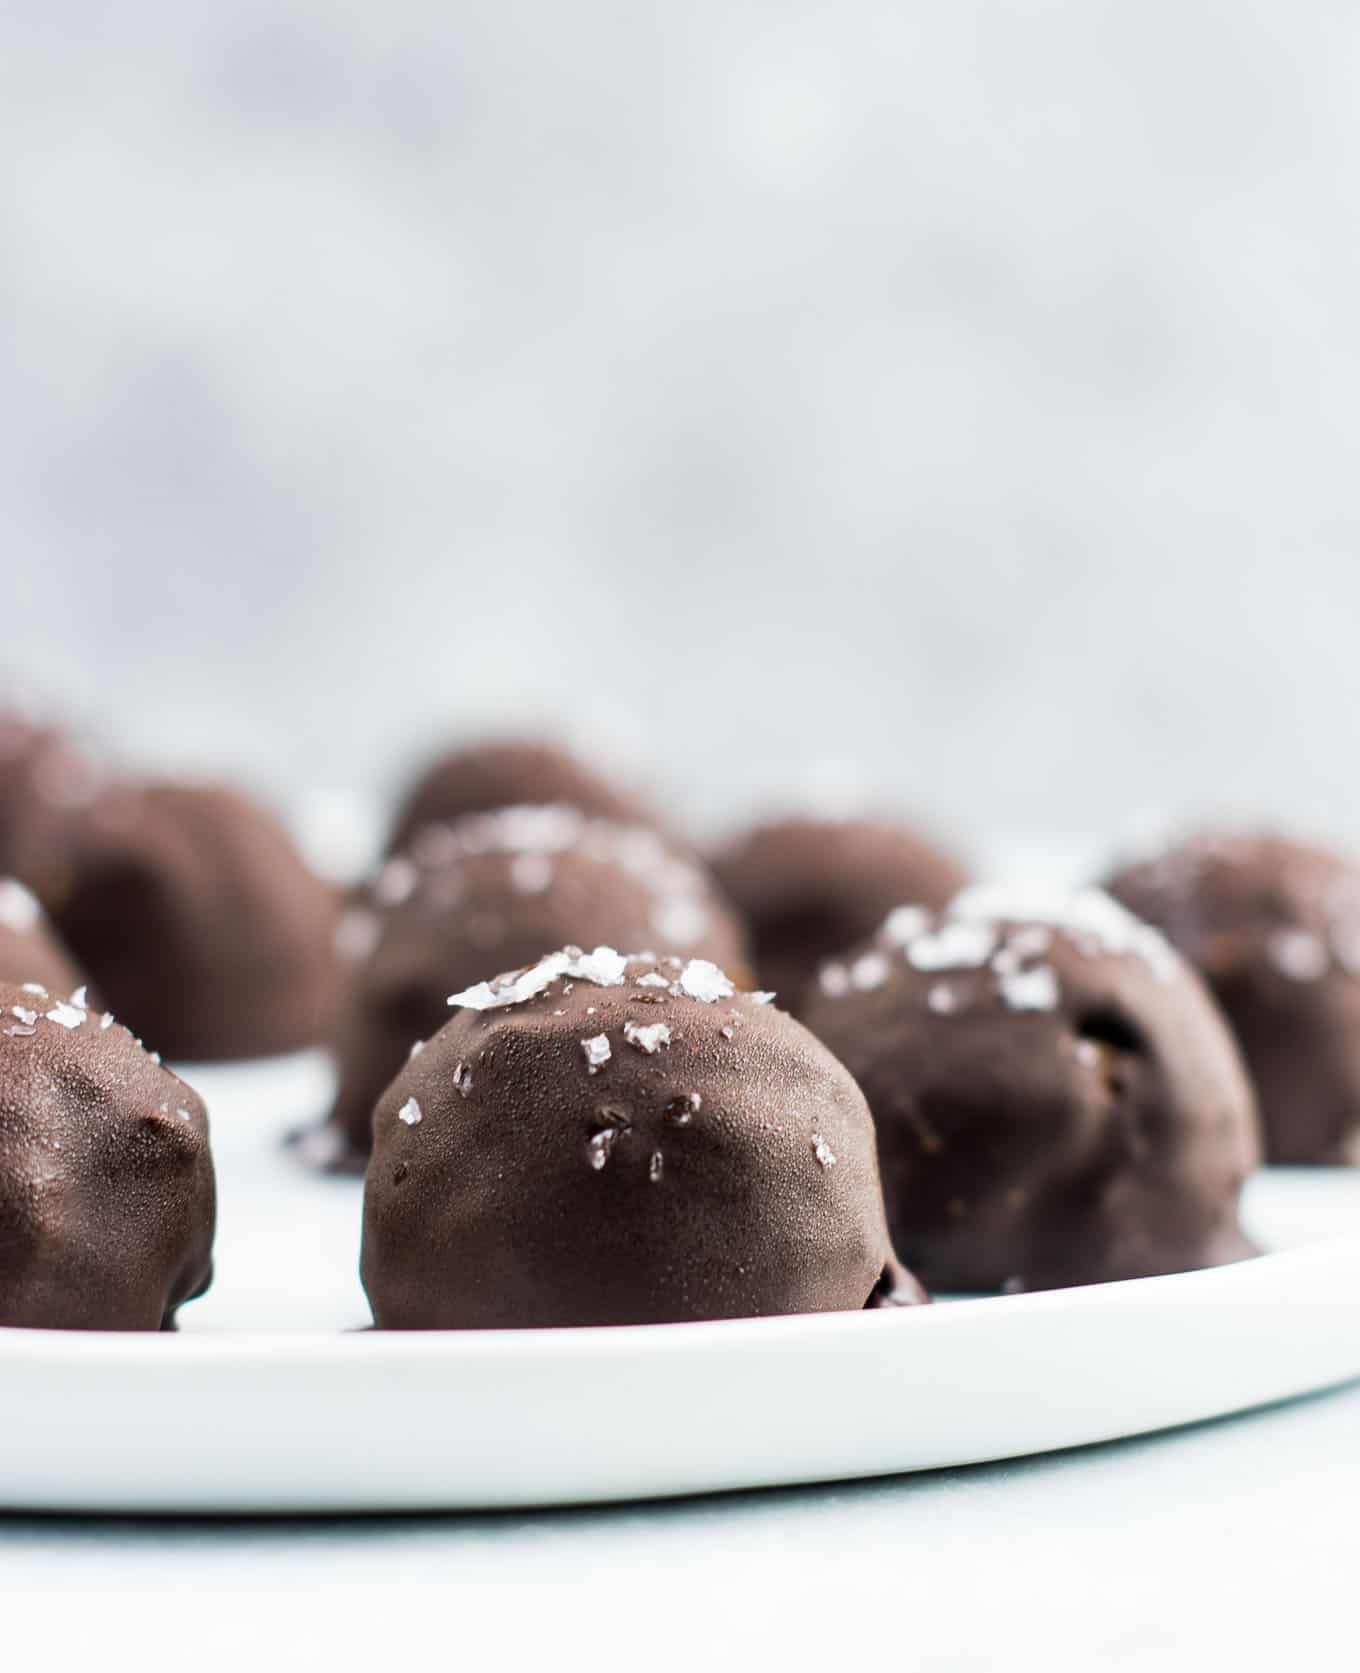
[[106, 1181], [810, 887], [200, 923], [1273, 926], [1057, 1099], [29, 950], [600, 1140], [488, 893], [44, 776], [509, 773]]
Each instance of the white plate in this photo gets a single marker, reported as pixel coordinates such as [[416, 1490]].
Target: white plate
[[268, 1400]]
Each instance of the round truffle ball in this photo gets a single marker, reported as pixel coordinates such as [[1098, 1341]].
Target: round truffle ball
[[1057, 1099], [810, 887], [607, 1140], [489, 893], [29, 949], [1273, 926], [44, 777], [200, 923], [509, 773], [107, 1200]]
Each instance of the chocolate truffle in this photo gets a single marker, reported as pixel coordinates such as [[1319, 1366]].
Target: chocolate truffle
[[44, 777], [1273, 926], [1057, 1099], [810, 887], [199, 922], [509, 773], [608, 1140], [106, 1180], [29, 951], [489, 893]]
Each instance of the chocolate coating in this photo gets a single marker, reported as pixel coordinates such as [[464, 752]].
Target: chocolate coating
[[29, 949], [809, 888], [488, 893], [107, 1199], [1057, 1099], [1273, 925], [199, 921], [44, 777], [611, 1143], [509, 773]]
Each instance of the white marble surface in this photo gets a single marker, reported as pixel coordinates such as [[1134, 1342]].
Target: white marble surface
[[964, 390]]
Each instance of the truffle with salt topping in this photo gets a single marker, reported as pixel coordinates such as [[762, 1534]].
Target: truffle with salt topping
[[29, 949], [1273, 926], [600, 1139], [489, 893], [199, 922], [107, 1198], [809, 887], [509, 773], [1057, 1099]]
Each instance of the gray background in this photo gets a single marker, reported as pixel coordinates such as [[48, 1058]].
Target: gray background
[[961, 394]]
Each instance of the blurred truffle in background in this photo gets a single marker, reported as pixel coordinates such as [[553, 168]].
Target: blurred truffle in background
[[1273, 925], [493, 892], [515, 772], [198, 920], [810, 886]]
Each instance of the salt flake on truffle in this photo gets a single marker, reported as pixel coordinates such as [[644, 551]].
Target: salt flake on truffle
[[701, 979], [68, 1016], [649, 1037], [1030, 990], [596, 1052], [904, 923], [869, 971], [410, 1112], [953, 946], [19, 909], [1298, 955], [823, 1151]]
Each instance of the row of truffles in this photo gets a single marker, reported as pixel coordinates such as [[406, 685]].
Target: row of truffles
[[812, 1054]]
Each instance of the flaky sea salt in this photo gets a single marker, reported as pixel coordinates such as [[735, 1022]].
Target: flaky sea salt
[[604, 967], [703, 980], [648, 1037], [869, 971], [410, 1112], [1298, 955], [953, 946], [67, 1016], [903, 924], [1030, 990], [19, 908], [823, 1151], [596, 1052]]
